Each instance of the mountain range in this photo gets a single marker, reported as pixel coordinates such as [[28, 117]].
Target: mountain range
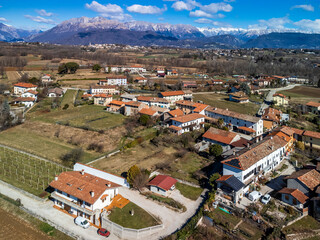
[[99, 30]]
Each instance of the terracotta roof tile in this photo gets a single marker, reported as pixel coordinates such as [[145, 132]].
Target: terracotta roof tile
[[219, 135], [163, 181], [311, 134], [247, 129], [313, 104], [188, 118], [24, 99], [309, 177], [175, 128], [173, 93], [147, 111], [25, 85], [296, 193], [176, 113], [228, 113]]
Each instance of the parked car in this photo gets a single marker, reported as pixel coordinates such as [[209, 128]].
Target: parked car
[[254, 196], [81, 221], [103, 232], [266, 199]]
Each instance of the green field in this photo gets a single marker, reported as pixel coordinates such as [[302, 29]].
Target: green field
[[188, 191], [220, 101], [86, 116], [140, 219], [49, 148], [305, 224], [28, 173], [69, 97]]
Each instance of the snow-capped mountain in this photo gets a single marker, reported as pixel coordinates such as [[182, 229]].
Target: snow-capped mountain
[[245, 34], [9, 33]]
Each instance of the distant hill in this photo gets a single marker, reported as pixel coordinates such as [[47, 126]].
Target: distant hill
[[285, 40], [9, 33]]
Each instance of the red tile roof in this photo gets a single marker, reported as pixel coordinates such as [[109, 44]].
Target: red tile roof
[[247, 129], [116, 102], [116, 77], [133, 104], [279, 95], [173, 93], [147, 111], [102, 95], [271, 114], [175, 128], [219, 135], [197, 107], [223, 178], [311, 134], [188, 118], [162, 181], [313, 104], [228, 113], [176, 113], [309, 177], [81, 185], [296, 193], [24, 99], [32, 92], [25, 85]]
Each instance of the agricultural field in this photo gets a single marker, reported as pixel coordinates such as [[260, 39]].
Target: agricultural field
[[69, 97], [302, 94], [221, 101], [13, 75], [28, 173], [84, 74]]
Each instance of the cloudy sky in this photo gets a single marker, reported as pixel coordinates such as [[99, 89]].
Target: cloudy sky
[[291, 14]]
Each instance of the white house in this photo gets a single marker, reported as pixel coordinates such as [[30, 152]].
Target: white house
[[162, 184], [102, 99], [117, 80], [187, 123], [26, 101], [107, 89], [253, 162], [174, 96], [30, 94], [236, 120], [154, 101], [55, 92], [83, 194], [191, 107], [46, 78], [22, 87]]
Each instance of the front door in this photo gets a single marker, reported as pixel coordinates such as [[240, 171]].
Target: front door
[[67, 207]]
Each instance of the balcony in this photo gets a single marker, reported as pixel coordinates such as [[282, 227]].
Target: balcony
[[71, 204]]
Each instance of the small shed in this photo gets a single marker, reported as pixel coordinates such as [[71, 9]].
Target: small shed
[[162, 184]]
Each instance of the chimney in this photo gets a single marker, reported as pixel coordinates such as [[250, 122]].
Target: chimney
[[56, 178], [92, 193], [82, 172]]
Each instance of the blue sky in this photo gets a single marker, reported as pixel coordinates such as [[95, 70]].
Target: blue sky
[[298, 14]]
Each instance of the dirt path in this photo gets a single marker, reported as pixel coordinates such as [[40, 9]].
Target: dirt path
[[14, 228]]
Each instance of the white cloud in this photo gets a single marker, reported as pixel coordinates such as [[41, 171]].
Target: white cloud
[[307, 24], [110, 11], [203, 20], [306, 7], [212, 22], [136, 8], [44, 13], [2, 19], [40, 19], [200, 13], [185, 5], [272, 23], [217, 7]]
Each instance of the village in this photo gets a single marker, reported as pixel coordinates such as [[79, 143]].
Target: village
[[151, 152]]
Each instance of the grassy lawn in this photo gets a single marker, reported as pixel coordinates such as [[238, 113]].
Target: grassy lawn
[[167, 201], [140, 219], [69, 97], [188, 191], [87, 116], [30, 174], [16, 221], [31, 142], [224, 219], [218, 100], [305, 224], [251, 233]]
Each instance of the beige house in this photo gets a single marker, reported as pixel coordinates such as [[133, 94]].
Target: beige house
[[106, 89], [280, 99], [102, 99], [22, 87]]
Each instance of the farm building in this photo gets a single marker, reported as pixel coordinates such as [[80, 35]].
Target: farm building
[[162, 184]]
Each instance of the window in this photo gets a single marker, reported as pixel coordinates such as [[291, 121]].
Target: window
[[58, 191], [294, 201], [286, 197]]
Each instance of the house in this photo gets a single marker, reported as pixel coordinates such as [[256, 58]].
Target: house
[[162, 185], [294, 197], [236, 120], [106, 89], [55, 92], [160, 70], [313, 107], [133, 108], [221, 137], [187, 123], [239, 97], [134, 69], [189, 84], [148, 111], [280, 99], [271, 118], [26, 101], [217, 82], [191, 107], [46, 79], [22, 87], [116, 107], [30, 94], [253, 162], [128, 97], [83, 194], [117, 80], [230, 187], [172, 72], [286, 134], [154, 101], [102, 99], [141, 80], [87, 96], [167, 116], [311, 139], [174, 96]]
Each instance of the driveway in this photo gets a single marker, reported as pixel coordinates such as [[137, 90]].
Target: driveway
[[46, 211], [171, 220]]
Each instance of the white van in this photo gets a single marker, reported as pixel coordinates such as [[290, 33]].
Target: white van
[[254, 196], [81, 221]]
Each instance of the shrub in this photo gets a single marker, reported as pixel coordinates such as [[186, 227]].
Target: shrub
[[66, 106]]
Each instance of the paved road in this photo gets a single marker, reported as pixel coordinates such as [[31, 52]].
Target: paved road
[[171, 220], [46, 211]]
